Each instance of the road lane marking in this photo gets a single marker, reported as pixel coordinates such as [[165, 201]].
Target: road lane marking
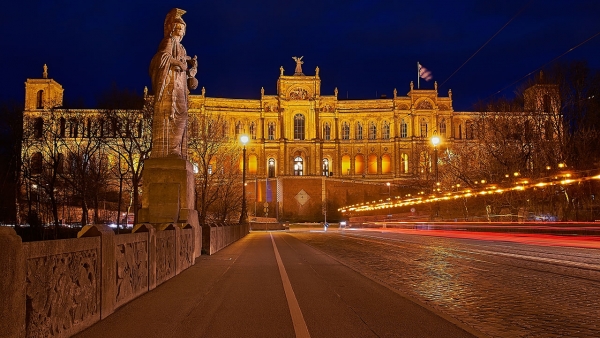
[[297, 318]]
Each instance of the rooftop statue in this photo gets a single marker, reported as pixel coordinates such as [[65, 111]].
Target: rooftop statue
[[172, 72], [299, 63]]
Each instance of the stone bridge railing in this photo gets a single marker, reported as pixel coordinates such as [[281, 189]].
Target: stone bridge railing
[[58, 288]]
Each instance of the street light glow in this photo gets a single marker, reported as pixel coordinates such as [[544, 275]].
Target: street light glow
[[244, 139], [435, 140]]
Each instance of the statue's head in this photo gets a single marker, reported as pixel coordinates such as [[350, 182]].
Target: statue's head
[[173, 21]]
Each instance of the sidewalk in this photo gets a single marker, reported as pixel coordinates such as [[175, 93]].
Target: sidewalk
[[272, 285]]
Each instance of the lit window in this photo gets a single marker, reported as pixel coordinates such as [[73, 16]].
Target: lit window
[[271, 131], [403, 129], [359, 131], [372, 131], [298, 165], [325, 167], [385, 131], [326, 131], [299, 127], [345, 131]]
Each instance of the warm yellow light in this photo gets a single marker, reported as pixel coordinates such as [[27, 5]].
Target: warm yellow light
[[435, 140], [516, 174], [244, 139], [561, 165]]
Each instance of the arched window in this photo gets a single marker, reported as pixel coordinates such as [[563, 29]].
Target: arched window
[[424, 128], [114, 127], [346, 165], [403, 129], [386, 164], [88, 128], [325, 167], [443, 127], [372, 164], [271, 167], [359, 164], [225, 130], [326, 131], [345, 131], [63, 127], [38, 127], [459, 131], [299, 127], [298, 166], [385, 130], [469, 131], [359, 131], [40, 99], [253, 131], [36, 163], [372, 131], [238, 129], [404, 163], [271, 131]]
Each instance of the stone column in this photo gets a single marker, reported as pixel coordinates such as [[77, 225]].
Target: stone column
[[12, 284]]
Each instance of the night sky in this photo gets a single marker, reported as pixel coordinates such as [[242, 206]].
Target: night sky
[[365, 48]]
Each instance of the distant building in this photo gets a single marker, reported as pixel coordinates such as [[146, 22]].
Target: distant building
[[301, 139]]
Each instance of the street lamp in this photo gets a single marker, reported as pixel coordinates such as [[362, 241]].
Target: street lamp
[[243, 217], [435, 140], [388, 185]]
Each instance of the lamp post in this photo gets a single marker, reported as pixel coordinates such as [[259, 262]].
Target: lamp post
[[388, 185], [243, 217], [435, 140]]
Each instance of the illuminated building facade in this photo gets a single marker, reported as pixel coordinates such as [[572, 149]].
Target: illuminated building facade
[[301, 135]]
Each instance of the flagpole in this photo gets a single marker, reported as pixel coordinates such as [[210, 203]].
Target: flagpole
[[418, 75]]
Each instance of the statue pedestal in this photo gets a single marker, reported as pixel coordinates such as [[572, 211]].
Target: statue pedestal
[[168, 195]]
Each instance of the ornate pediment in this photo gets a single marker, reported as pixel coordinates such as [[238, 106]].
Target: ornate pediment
[[298, 93], [425, 104]]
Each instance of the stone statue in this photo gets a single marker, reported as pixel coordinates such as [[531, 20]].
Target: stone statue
[[45, 74], [299, 63], [172, 71], [281, 71]]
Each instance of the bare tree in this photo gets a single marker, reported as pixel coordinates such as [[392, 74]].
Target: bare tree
[[216, 158], [130, 142]]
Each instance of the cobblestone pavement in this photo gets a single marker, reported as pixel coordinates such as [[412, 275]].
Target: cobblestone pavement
[[501, 289]]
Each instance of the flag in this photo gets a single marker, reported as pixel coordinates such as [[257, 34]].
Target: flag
[[424, 73], [268, 196]]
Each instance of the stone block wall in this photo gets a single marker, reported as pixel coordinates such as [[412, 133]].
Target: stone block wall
[[58, 288]]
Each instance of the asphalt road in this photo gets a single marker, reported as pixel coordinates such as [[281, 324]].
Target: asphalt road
[[275, 285], [503, 285]]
